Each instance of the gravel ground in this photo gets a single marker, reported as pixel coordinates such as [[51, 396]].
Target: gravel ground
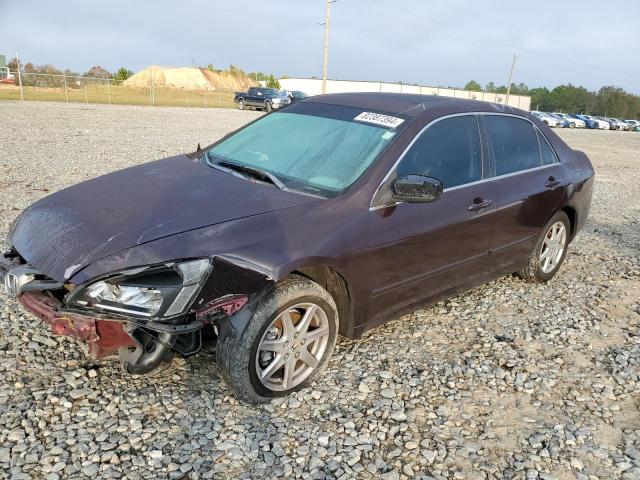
[[509, 380]]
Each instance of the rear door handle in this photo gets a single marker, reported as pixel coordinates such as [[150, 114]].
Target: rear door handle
[[552, 182], [479, 204]]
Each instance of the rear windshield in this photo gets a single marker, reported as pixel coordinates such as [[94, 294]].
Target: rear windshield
[[313, 153]]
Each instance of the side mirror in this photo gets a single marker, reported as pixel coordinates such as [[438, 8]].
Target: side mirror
[[417, 189]]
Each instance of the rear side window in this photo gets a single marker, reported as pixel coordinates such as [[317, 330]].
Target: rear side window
[[548, 155], [448, 150], [514, 142]]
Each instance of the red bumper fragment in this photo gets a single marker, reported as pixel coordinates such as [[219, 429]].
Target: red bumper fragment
[[103, 337]]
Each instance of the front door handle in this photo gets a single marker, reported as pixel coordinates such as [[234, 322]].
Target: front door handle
[[552, 182], [479, 204]]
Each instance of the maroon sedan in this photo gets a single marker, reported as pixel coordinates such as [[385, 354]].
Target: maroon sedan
[[328, 217]]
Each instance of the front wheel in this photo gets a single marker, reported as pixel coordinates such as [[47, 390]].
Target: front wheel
[[549, 252], [284, 346], [572, 125], [268, 107], [240, 104]]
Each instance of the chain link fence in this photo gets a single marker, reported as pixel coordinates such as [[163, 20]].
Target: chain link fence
[[72, 88]]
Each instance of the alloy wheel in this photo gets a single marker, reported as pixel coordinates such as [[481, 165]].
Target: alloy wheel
[[292, 346], [553, 247]]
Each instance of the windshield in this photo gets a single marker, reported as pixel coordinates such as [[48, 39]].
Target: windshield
[[311, 153]]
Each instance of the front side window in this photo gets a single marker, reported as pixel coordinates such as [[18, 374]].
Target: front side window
[[514, 142], [316, 154], [448, 150]]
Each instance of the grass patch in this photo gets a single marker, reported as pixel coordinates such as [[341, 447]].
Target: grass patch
[[119, 95]]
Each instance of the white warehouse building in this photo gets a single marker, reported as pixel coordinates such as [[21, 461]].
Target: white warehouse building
[[313, 86]]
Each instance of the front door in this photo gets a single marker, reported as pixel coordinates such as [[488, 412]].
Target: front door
[[419, 250]]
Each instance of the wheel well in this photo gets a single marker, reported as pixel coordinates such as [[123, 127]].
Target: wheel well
[[337, 286], [571, 213]]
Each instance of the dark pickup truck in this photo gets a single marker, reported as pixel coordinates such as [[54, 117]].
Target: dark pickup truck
[[258, 97]]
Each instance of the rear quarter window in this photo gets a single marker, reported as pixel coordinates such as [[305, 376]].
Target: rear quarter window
[[514, 143], [548, 155]]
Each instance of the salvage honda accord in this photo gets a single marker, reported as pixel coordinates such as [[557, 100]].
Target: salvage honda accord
[[327, 217]]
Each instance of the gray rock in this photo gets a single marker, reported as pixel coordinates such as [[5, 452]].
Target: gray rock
[[391, 475], [5, 455]]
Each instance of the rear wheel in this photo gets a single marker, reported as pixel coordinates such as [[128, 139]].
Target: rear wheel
[[549, 252], [284, 346]]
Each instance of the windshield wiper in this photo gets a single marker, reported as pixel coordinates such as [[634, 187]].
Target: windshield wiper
[[254, 172]]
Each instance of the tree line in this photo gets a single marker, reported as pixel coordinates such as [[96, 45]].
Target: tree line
[[609, 101], [96, 71], [118, 76]]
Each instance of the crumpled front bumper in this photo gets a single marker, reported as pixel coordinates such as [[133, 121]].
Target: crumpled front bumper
[[102, 337]]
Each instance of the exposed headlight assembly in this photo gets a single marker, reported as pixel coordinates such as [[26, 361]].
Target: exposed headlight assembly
[[160, 291]]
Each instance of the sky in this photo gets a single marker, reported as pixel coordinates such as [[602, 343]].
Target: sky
[[427, 42]]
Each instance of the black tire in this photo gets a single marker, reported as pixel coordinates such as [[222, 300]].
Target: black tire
[[237, 348], [268, 107], [241, 104], [572, 125], [532, 271]]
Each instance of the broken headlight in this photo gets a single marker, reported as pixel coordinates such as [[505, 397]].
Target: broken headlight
[[160, 291]]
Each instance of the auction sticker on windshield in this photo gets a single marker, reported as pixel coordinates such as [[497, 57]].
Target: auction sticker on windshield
[[379, 119]]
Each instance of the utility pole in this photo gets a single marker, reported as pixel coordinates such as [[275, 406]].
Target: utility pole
[[325, 59], [513, 64], [19, 77]]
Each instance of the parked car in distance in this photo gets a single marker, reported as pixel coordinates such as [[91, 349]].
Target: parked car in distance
[[590, 123], [620, 125], [601, 123], [296, 95], [612, 125], [548, 120], [564, 123], [329, 217], [573, 122], [267, 99], [634, 125]]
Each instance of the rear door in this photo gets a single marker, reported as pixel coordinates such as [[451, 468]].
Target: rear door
[[529, 185], [421, 249]]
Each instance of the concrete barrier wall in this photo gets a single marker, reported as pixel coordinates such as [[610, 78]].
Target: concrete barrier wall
[[313, 86]]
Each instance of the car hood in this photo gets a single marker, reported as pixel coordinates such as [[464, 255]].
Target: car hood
[[68, 230]]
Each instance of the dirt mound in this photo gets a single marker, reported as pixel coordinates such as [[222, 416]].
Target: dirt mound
[[189, 78]]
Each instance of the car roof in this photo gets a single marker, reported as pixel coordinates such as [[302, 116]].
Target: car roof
[[409, 104]]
